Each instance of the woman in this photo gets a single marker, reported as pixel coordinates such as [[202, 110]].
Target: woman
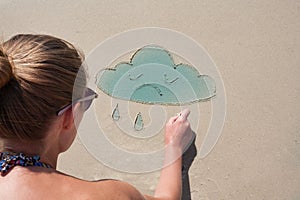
[[37, 123]]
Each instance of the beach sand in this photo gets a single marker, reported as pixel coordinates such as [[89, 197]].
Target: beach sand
[[255, 45]]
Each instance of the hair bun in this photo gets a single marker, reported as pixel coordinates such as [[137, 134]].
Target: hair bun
[[6, 69]]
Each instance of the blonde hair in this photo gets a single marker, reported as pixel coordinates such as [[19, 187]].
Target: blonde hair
[[37, 76]]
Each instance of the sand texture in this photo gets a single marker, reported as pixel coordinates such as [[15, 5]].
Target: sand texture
[[255, 45]]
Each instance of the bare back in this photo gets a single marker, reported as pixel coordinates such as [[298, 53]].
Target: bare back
[[40, 183]]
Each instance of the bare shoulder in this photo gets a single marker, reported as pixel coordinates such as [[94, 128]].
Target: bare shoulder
[[103, 189], [62, 186], [118, 190]]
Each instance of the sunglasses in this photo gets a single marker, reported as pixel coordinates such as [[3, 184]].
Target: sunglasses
[[86, 101]]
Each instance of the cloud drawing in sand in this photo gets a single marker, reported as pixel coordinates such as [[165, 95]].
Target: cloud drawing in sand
[[152, 77]]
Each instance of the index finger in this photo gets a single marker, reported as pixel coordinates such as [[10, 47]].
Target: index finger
[[173, 119], [184, 114]]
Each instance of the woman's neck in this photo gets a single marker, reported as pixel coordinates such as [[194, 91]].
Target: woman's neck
[[31, 148]]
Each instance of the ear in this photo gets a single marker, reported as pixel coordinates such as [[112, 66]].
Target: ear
[[70, 116], [68, 128]]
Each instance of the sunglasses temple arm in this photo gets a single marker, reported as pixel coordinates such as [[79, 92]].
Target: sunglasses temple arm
[[64, 109], [80, 100]]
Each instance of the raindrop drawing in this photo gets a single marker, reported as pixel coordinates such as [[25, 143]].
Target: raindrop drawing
[[138, 122], [116, 113]]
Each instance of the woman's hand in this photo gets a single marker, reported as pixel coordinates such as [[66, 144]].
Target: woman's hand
[[178, 132]]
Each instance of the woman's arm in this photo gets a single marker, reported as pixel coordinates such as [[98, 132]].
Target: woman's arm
[[177, 135], [169, 185]]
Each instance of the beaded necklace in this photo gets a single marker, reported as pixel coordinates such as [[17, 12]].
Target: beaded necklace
[[9, 160]]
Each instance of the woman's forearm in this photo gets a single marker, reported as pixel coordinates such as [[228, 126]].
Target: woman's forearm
[[176, 132], [170, 183]]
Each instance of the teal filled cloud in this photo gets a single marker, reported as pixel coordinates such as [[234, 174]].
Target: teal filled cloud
[[152, 77]]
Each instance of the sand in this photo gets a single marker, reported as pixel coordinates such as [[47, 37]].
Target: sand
[[255, 45]]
